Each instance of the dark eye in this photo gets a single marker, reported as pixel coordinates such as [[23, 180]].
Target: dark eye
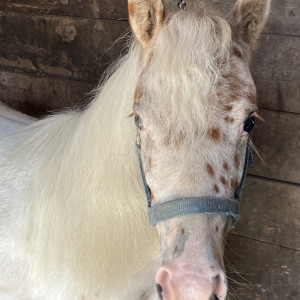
[[139, 123], [249, 123]]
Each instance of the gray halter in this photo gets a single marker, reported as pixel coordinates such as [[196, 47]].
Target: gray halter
[[160, 212]]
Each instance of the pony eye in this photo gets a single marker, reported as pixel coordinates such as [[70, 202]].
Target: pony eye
[[249, 124], [139, 123]]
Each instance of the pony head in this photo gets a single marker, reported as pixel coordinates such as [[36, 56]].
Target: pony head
[[193, 95]]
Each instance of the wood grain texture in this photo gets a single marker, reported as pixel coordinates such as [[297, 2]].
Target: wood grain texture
[[36, 96], [104, 9], [63, 47], [270, 212], [81, 49], [278, 143], [284, 18], [260, 271], [276, 72]]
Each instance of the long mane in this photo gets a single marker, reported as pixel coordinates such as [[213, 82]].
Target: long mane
[[84, 209]]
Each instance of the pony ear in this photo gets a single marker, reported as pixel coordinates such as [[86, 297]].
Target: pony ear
[[146, 18], [249, 18]]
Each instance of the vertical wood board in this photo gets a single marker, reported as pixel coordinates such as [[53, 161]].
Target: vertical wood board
[[260, 271], [277, 141], [270, 212]]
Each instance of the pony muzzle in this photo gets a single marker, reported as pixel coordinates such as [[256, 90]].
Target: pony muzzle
[[175, 284]]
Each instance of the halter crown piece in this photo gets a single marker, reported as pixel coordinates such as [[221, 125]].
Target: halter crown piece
[[160, 212]]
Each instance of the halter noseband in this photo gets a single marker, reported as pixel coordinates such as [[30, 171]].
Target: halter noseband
[[160, 212]]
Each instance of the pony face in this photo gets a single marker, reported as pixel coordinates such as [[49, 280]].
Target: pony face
[[191, 101]]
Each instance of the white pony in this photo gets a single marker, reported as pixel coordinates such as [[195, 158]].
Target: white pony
[[73, 213]]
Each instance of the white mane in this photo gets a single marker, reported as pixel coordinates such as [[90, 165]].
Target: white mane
[[85, 200], [181, 79]]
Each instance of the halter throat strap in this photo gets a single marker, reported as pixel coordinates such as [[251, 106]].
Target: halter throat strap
[[160, 212]]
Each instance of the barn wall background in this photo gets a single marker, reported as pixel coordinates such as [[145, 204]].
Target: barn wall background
[[53, 52]]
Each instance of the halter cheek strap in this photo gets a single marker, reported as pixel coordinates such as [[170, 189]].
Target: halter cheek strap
[[198, 205]]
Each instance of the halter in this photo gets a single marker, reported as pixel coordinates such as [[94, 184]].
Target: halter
[[160, 212]]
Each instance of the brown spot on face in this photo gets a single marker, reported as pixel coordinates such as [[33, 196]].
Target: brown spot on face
[[223, 180], [228, 107], [236, 161], [176, 250], [152, 196], [143, 296], [212, 268], [217, 229], [214, 134], [210, 170], [131, 9], [234, 97], [225, 167], [182, 231], [237, 52], [229, 119], [234, 86], [216, 188], [234, 184]]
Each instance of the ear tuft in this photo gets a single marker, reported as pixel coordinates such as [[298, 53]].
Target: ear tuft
[[249, 18], [146, 18]]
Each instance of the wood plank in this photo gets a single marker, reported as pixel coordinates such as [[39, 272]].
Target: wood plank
[[277, 94], [270, 212], [284, 17], [262, 271], [276, 72], [45, 49], [93, 9], [70, 48], [35, 95], [278, 143]]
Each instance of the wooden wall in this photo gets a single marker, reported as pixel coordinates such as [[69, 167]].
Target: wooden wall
[[52, 53]]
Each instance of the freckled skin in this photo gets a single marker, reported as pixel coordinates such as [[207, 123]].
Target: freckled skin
[[223, 181], [210, 170], [215, 134], [225, 166], [236, 161], [179, 242], [217, 189]]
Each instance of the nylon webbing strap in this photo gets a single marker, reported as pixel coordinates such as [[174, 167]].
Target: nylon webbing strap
[[248, 161], [198, 205], [146, 187], [191, 206]]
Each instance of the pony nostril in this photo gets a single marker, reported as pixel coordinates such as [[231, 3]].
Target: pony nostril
[[214, 297], [159, 291]]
